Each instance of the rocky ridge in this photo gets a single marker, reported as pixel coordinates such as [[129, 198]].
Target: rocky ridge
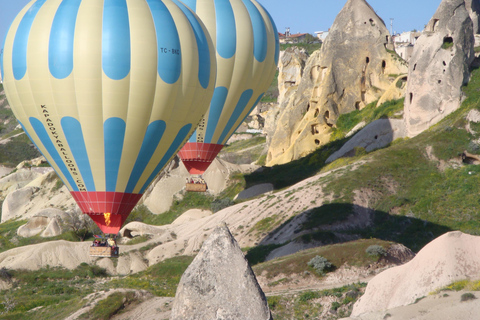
[[335, 81]]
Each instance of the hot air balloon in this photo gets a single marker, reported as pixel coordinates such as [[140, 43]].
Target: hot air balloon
[[108, 91], [247, 50]]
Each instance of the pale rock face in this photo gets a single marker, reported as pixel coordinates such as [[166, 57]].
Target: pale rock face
[[28, 191], [219, 284], [451, 257], [159, 195], [290, 70], [473, 8], [378, 134], [439, 66], [352, 69], [48, 223], [12, 207]]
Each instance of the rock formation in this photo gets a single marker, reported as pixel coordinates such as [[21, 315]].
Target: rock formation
[[290, 70], [159, 196], [353, 68], [47, 223], [451, 257], [439, 66], [473, 8], [378, 134], [219, 284]]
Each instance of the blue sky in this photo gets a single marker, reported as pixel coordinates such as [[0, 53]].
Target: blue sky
[[302, 16]]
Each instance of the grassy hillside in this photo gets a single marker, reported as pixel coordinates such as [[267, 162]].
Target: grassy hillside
[[19, 147], [417, 189]]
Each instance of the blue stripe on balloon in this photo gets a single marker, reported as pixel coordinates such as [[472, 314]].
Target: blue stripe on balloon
[[73, 132], [193, 137], [239, 108], [174, 146], [116, 39], [216, 107], [226, 29], [277, 43], [42, 134], [19, 59], [168, 43], [114, 135], [260, 38], [251, 109], [60, 49], [202, 43], [150, 143], [192, 4]]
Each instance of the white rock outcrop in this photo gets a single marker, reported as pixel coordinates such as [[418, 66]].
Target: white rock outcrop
[[290, 70], [451, 257], [439, 67], [378, 134], [49, 222], [219, 284]]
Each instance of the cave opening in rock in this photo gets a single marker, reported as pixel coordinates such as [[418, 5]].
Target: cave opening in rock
[[447, 43]]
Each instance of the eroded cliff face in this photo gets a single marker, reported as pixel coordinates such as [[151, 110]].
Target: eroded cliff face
[[439, 66], [353, 68]]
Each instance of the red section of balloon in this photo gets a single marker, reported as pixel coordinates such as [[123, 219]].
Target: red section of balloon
[[197, 156], [97, 204]]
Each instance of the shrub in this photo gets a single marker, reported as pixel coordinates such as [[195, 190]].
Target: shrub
[[467, 296], [219, 204], [320, 264], [376, 251], [5, 274], [309, 295]]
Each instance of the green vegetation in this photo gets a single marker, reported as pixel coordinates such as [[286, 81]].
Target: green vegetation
[[243, 144], [347, 121], [310, 304], [258, 254], [18, 149], [271, 95], [244, 151], [50, 288], [320, 264], [376, 251], [467, 284], [161, 279], [190, 200], [309, 47], [353, 253], [447, 43], [110, 306], [9, 238], [59, 292], [467, 296], [412, 199]]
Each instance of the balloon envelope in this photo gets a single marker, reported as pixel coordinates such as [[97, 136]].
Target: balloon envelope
[[108, 90], [247, 51]]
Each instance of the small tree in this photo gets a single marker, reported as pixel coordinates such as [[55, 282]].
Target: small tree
[[376, 251], [80, 224], [320, 265]]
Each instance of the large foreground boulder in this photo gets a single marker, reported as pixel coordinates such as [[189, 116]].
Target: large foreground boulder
[[219, 284], [439, 67], [452, 257]]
